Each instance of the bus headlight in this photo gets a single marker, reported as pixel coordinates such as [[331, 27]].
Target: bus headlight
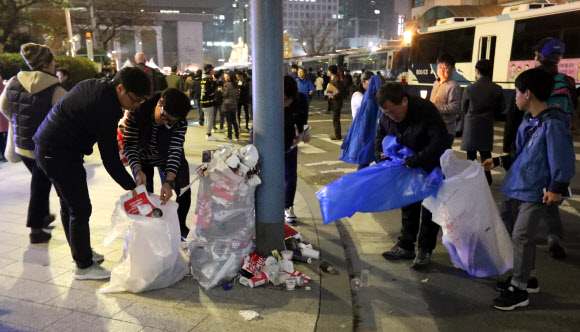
[[407, 35]]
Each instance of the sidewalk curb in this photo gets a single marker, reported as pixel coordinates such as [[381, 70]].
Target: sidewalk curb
[[335, 311]]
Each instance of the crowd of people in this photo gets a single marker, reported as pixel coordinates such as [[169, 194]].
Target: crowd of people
[[51, 124]]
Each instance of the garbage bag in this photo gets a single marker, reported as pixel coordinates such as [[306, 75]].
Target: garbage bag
[[473, 231], [223, 225], [152, 258], [380, 187], [358, 146]]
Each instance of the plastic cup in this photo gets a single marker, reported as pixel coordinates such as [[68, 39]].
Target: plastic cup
[[290, 284], [227, 284], [287, 255]]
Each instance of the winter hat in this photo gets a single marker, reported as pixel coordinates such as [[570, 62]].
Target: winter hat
[[36, 55], [207, 68]]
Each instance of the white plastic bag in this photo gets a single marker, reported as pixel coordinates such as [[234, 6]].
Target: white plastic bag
[[473, 231], [152, 258]]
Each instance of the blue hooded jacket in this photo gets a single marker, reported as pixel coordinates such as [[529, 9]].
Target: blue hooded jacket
[[358, 146], [305, 86], [544, 157]]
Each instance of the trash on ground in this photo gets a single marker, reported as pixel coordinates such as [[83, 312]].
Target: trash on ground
[[248, 314], [425, 280]]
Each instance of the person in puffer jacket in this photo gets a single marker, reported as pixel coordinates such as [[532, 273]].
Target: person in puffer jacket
[[539, 173], [26, 100]]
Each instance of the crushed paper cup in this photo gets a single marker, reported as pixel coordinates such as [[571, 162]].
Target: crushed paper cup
[[248, 314], [296, 274]]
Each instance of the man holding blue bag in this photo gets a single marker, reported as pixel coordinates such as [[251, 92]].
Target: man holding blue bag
[[417, 125]]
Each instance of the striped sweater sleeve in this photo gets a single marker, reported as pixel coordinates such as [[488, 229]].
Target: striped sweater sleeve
[[131, 141], [176, 147]]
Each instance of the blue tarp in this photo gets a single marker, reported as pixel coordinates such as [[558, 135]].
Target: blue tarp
[[380, 187], [359, 144]]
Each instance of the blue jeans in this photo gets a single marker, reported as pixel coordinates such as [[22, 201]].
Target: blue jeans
[[197, 103]]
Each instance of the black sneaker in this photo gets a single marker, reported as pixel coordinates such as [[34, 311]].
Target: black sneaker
[[512, 298], [422, 259], [40, 237], [397, 252], [48, 220], [532, 288], [555, 247]]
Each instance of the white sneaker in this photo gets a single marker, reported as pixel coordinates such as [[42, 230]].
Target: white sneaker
[[97, 258], [211, 138], [94, 271], [290, 216]]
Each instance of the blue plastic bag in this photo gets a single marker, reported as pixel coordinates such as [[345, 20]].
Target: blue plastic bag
[[381, 187]]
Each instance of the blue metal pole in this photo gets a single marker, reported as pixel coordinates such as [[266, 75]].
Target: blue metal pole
[[268, 125]]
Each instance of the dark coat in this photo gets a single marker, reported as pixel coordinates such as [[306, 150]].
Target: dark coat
[[295, 117], [422, 131], [88, 114], [481, 102]]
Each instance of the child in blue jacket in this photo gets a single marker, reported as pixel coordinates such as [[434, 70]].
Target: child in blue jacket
[[539, 173]]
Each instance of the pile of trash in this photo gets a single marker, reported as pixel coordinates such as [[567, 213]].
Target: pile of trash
[[223, 226], [279, 268]]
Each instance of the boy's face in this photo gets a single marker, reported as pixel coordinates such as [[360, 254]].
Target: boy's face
[[522, 99]]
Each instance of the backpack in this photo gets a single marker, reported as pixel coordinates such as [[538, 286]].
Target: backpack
[[159, 82], [562, 95]]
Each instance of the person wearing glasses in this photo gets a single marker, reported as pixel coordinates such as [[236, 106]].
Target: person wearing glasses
[[446, 93], [88, 114], [154, 137]]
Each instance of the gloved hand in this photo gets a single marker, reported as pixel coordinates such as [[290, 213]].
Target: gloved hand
[[410, 162]]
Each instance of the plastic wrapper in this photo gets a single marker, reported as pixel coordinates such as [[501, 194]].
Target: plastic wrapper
[[473, 231], [223, 224], [152, 258], [380, 187]]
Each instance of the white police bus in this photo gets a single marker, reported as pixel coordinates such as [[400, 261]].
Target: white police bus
[[507, 40]]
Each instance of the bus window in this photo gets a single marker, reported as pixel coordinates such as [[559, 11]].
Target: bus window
[[492, 42], [528, 32], [427, 47], [390, 62], [483, 48]]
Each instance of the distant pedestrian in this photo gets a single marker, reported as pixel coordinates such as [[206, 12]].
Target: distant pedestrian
[[173, 79], [26, 100], [335, 101], [244, 101], [311, 76], [446, 93], [3, 129], [481, 102], [64, 78], [305, 86], [195, 94], [319, 85], [229, 105], [294, 71], [208, 88]]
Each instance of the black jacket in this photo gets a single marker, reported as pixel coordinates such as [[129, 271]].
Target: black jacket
[[88, 114], [295, 117], [422, 131], [245, 87]]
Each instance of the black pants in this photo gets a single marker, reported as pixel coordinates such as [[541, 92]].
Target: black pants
[[3, 138], [472, 155], [68, 175], [247, 113], [335, 106], [290, 176], [40, 185], [231, 119], [427, 229], [181, 180]]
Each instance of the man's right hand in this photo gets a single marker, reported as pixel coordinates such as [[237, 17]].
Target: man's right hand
[[488, 164], [140, 178]]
